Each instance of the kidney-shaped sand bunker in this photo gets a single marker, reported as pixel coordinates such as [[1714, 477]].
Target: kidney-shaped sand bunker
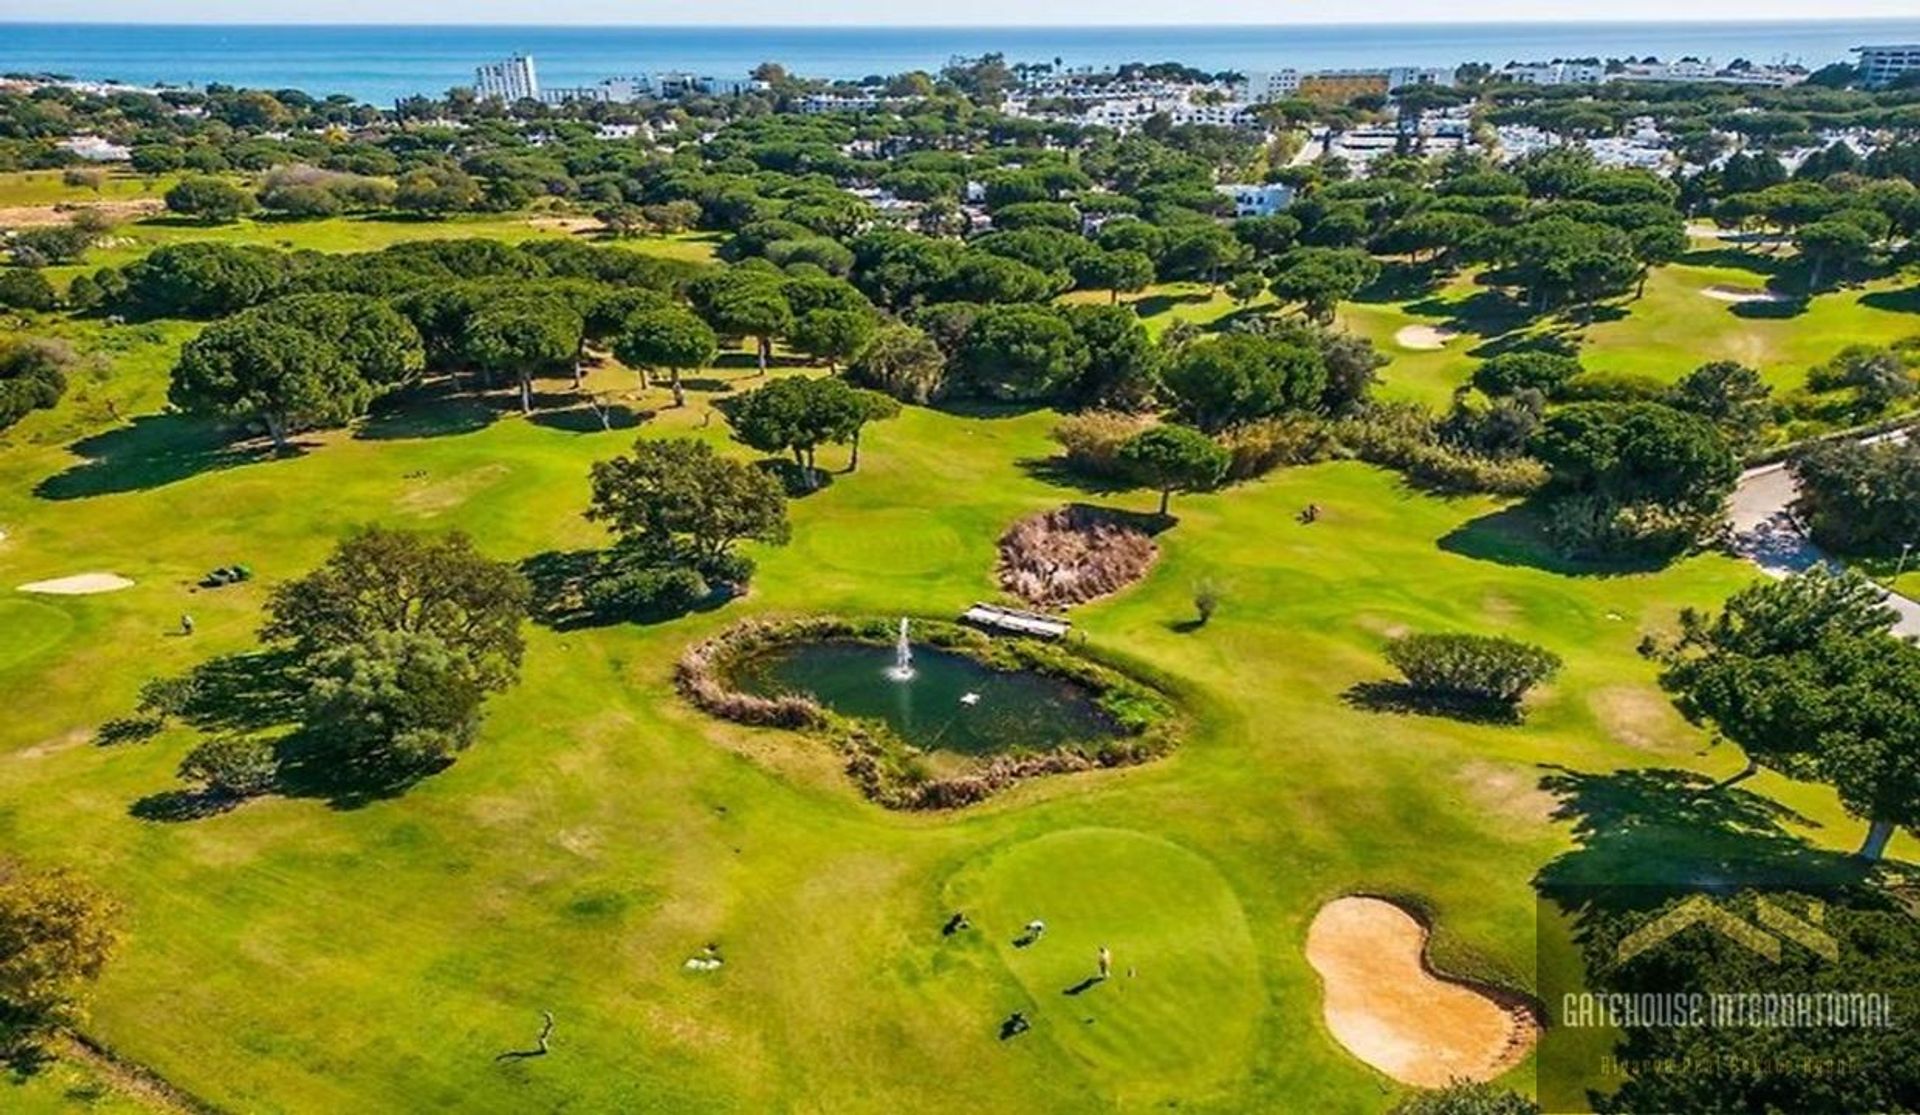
[[1395, 1013]]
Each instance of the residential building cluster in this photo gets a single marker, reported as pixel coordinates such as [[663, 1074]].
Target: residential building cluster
[[515, 79], [1593, 71]]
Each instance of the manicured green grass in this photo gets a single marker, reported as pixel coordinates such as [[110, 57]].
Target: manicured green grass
[[45, 187], [289, 956]]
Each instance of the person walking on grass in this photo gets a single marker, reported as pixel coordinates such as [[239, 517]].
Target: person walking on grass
[[186, 624], [1106, 962]]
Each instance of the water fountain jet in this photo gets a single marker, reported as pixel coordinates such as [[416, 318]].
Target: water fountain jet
[[902, 668]]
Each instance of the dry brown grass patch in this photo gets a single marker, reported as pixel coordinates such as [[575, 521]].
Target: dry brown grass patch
[[1074, 554]]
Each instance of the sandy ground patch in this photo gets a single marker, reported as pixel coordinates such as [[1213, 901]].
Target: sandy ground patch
[[1388, 1009], [1637, 716], [566, 224], [1508, 791], [1424, 338], [34, 216], [1740, 294], [80, 584]]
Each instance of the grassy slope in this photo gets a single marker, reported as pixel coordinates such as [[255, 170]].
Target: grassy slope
[[292, 957]]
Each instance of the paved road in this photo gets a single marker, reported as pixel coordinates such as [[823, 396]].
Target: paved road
[[1765, 531]]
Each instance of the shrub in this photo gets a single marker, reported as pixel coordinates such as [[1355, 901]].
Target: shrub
[[1091, 442], [232, 766], [1512, 372], [1258, 448], [647, 593], [33, 376], [1860, 498], [1405, 437], [1476, 667], [730, 569], [25, 289], [1464, 1098], [1611, 387]]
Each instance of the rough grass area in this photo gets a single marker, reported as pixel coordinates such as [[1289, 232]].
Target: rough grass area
[[1074, 554], [885, 767]]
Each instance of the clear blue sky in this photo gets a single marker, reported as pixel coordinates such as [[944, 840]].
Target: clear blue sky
[[971, 12]]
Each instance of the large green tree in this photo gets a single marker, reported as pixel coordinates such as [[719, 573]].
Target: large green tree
[[1319, 279], [213, 200], [524, 337], [668, 337], [1174, 459], [1021, 353], [676, 497], [1626, 477], [310, 359], [1222, 381], [380, 581]]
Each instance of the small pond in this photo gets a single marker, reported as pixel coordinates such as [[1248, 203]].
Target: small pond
[[951, 702]]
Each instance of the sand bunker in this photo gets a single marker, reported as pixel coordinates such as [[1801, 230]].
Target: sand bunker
[[1743, 294], [1390, 1010], [80, 584], [1424, 338]]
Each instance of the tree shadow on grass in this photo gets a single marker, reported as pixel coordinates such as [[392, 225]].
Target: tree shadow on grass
[[1161, 303], [1056, 471], [150, 452], [985, 408], [589, 420], [1404, 700], [1643, 836], [1770, 310], [1514, 536], [1894, 301], [312, 766], [262, 692], [559, 579], [794, 479], [176, 806], [1743, 259], [1401, 281], [432, 411], [247, 692]]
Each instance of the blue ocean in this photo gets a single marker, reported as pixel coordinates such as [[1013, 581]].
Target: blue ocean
[[380, 63]]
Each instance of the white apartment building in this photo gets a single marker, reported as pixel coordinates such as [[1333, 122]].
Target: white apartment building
[[1553, 73], [1257, 200], [509, 81], [1881, 65], [1401, 76], [1261, 86]]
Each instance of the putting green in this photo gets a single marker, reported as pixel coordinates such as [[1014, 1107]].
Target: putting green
[[1174, 1020], [903, 541], [32, 629]]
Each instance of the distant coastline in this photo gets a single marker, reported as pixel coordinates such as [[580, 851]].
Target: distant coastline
[[378, 63]]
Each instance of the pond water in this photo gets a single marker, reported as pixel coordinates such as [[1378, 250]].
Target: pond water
[[931, 709]]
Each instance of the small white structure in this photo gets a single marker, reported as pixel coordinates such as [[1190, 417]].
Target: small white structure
[[997, 618], [1257, 200]]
